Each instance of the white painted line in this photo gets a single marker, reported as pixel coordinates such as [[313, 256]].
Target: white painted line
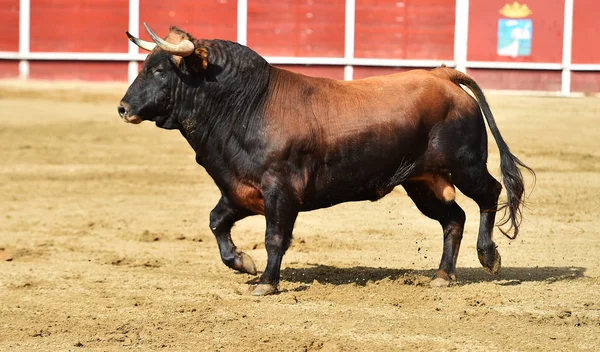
[[533, 93], [567, 48], [337, 61], [134, 25], [24, 36], [461, 34], [281, 60], [585, 67], [242, 22], [514, 65], [348, 73], [349, 31], [289, 60], [73, 56], [132, 71]]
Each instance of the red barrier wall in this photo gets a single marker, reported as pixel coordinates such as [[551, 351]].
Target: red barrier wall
[[585, 81], [541, 80], [410, 29], [400, 29], [585, 50], [9, 69], [586, 32], [9, 25], [79, 26], [78, 70], [204, 19], [296, 27]]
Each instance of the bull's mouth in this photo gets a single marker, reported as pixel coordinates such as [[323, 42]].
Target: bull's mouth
[[132, 119]]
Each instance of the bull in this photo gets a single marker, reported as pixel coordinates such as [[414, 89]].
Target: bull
[[277, 143]]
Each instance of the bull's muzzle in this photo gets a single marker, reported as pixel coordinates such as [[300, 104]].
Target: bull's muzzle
[[123, 110]]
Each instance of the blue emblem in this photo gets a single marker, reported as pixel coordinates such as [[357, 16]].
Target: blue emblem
[[514, 37]]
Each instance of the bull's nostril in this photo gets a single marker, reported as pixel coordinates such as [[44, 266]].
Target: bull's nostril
[[121, 111]]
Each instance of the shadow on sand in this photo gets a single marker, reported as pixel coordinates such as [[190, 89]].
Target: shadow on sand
[[362, 275]]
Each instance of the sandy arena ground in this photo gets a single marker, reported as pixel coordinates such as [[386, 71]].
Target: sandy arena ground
[[107, 228]]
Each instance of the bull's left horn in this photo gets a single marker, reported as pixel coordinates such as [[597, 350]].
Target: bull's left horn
[[185, 48], [141, 43]]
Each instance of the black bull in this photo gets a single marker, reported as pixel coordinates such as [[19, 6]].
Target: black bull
[[277, 143]]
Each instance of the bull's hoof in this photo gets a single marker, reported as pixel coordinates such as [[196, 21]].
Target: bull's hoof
[[438, 282], [491, 261], [247, 264], [442, 279], [264, 290]]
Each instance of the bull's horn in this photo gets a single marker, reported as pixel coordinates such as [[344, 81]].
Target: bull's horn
[[141, 43], [185, 48]]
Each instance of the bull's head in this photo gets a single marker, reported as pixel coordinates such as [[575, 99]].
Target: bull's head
[[150, 95]]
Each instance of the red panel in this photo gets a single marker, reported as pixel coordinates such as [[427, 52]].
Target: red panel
[[586, 29], [296, 27], [9, 69], [73, 26], [547, 31], [409, 29], [208, 19], [587, 82], [517, 79], [78, 70], [333, 72], [9, 25], [370, 71]]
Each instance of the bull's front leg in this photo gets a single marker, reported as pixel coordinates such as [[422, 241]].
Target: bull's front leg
[[222, 218], [281, 211]]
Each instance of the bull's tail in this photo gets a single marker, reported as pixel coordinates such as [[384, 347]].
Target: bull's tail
[[512, 177]]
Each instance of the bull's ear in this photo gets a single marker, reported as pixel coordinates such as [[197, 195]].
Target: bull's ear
[[198, 61], [203, 55]]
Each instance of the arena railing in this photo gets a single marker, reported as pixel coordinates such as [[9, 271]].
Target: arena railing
[[348, 61]]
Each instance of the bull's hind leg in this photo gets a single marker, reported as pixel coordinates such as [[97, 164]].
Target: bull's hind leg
[[452, 219], [476, 183], [222, 218]]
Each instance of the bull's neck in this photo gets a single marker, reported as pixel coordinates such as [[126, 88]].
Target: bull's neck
[[227, 108]]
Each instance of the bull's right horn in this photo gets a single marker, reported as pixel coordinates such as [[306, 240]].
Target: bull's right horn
[[185, 48], [141, 43]]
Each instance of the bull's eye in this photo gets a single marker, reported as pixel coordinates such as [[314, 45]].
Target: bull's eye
[[158, 71]]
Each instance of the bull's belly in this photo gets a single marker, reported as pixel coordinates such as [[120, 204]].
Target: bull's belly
[[357, 184], [366, 170], [337, 195]]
